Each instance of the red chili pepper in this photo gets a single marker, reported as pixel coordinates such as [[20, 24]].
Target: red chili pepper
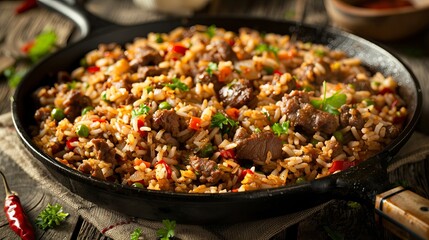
[[167, 168], [15, 214], [70, 141], [27, 46], [179, 48], [243, 174], [140, 123], [341, 165], [277, 72], [93, 69], [228, 154], [25, 6], [100, 120]]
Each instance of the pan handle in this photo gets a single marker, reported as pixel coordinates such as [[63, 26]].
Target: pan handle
[[85, 21], [404, 213]]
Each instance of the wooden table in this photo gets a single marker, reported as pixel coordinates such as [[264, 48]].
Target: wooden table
[[16, 30]]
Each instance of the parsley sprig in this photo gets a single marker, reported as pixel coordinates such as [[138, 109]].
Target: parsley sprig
[[136, 234], [143, 109], [280, 128], [224, 123], [260, 48], [211, 67], [176, 83], [167, 231], [330, 104], [51, 217]]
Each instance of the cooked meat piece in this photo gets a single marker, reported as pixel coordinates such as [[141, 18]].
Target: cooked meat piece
[[85, 167], [240, 134], [170, 140], [236, 94], [103, 47], [337, 147], [392, 131], [42, 114], [257, 146], [352, 117], [150, 71], [74, 103], [359, 85], [63, 77], [207, 168], [168, 120], [145, 56], [103, 151], [300, 112], [205, 77], [130, 99], [122, 83], [221, 51]]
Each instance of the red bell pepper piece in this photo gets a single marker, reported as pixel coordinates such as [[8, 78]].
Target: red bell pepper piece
[[93, 69], [228, 154], [277, 72], [341, 165], [243, 174], [179, 48], [70, 141], [195, 123], [140, 123]]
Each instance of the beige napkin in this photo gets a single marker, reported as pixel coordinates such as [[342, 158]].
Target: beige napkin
[[118, 226]]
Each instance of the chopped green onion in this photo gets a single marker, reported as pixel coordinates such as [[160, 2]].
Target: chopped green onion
[[339, 136], [176, 83], [143, 109], [137, 185], [211, 67], [82, 130]]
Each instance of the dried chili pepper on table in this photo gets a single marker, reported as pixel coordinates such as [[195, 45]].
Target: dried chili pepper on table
[[15, 214]]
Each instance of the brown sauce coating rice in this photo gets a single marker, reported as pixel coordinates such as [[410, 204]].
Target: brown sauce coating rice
[[206, 110]]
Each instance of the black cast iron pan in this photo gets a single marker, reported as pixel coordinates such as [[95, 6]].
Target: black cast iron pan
[[362, 182]]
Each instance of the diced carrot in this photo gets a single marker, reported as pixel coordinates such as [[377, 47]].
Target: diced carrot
[[233, 113], [137, 162], [224, 73], [287, 55], [195, 123]]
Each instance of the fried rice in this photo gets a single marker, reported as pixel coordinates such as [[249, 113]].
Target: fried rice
[[206, 110]]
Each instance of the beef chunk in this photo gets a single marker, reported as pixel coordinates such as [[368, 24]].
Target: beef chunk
[[150, 71], [221, 51], [351, 116], [74, 103], [42, 114], [207, 168], [257, 146], [103, 151], [168, 120], [300, 112], [94, 172], [337, 147], [63, 77], [145, 56], [205, 78], [392, 131], [236, 94]]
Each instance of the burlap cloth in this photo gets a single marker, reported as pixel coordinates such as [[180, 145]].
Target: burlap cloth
[[416, 150]]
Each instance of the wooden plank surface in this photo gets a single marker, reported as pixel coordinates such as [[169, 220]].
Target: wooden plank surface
[[349, 222]]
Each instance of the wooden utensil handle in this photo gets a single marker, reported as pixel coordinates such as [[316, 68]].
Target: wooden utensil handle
[[404, 213]]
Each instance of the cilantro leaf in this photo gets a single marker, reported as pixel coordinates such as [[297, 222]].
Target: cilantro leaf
[[167, 231], [51, 217], [260, 48], [330, 104], [43, 44], [224, 123], [176, 83], [280, 129], [211, 67], [143, 109], [136, 234], [211, 31]]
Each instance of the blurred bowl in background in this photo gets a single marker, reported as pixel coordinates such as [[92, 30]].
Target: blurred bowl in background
[[174, 7], [381, 22]]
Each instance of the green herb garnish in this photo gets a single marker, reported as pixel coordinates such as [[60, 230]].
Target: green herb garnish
[[211, 31], [211, 67], [136, 234], [167, 231], [71, 85], [319, 52], [43, 44], [13, 77], [330, 104], [225, 124], [260, 48], [280, 129], [339, 136], [269, 70], [206, 151], [143, 109], [176, 83], [159, 38], [51, 216]]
